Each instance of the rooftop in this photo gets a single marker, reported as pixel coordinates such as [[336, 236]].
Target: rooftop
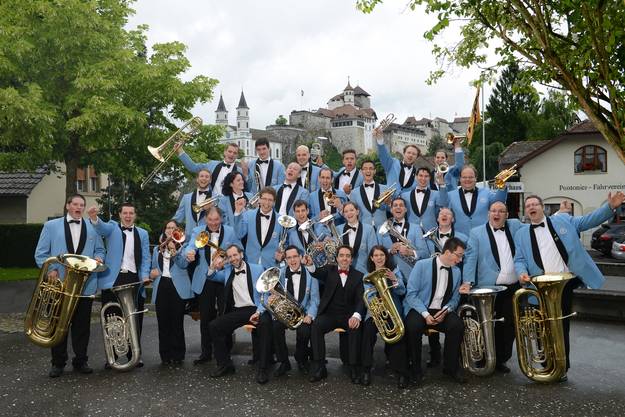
[[20, 183]]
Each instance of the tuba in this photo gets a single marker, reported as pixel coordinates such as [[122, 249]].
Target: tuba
[[279, 302], [539, 333], [54, 301], [387, 227], [500, 179], [382, 308], [120, 332], [478, 344]]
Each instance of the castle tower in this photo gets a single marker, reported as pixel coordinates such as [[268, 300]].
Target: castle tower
[[221, 114], [348, 94]]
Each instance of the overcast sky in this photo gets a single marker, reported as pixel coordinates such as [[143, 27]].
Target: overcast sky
[[273, 49]]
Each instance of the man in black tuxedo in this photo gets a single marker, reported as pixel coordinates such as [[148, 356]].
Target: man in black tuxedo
[[341, 306]]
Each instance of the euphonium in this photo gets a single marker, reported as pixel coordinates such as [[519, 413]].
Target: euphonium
[[197, 208], [500, 179], [120, 332], [387, 227], [478, 344], [382, 308], [279, 302], [53, 302], [388, 193], [539, 333], [287, 222]]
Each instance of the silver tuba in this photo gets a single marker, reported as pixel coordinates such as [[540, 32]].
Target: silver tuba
[[279, 302], [478, 344], [387, 227], [431, 235], [120, 333]]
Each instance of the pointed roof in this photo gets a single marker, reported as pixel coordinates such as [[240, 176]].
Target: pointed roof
[[221, 106], [242, 102], [349, 86], [358, 91]]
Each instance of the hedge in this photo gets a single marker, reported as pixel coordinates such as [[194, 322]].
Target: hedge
[[18, 244]]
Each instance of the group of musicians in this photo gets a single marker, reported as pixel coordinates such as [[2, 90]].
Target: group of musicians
[[436, 233]]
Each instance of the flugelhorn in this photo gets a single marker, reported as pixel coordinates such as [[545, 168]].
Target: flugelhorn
[[54, 300], [387, 227], [204, 205], [381, 306], [178, 138], [388, 193], [451, 138], [499, 182], [279, 302]]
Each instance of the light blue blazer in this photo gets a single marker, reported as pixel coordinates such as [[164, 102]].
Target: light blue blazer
[[467, 220], [366, 238], [185, 213], [481, 261], [213, 166], [315, 205], [224, 276], [416, 238], [359, 197], [298, 193], [433, 201], [54, 242], [355, 182], [392, 168], [179, 275], [227, 237], [308, 294], [293, 238], [568, 229], [112, 233], [275, 174], [430, 248], [419, 289], [225, 205], [255, 251], [453, 175], [397, 293]]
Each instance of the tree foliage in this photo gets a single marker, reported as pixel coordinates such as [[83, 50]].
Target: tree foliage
[[436, 143], [281, 121], [577, 45]]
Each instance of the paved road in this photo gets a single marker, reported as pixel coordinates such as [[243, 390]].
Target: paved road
[[595, 386]]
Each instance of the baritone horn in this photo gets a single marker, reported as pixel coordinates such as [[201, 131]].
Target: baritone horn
[[54, 300], [282, 305], [478, 343], [120, 331], [539, 333], [500, 179], [382, 307], [177, 139]]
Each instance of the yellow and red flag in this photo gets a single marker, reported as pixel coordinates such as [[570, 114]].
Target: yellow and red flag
[[474, 119]]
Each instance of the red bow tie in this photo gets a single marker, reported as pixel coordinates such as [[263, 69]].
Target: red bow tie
[[343, 271]]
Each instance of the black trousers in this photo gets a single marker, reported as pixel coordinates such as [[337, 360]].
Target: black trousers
[[302, 340], [193, 302], [397, 353], [210, 301], [567, 307], [170, 316], [80, 329], [453, 328], [325, 323], [505, 331], [109, 296], [221, 331]]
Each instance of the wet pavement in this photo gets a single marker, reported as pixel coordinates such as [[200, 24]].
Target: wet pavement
[[595, 386]]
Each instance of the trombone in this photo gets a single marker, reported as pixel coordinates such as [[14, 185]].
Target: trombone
[[177, 139], [500, 179]]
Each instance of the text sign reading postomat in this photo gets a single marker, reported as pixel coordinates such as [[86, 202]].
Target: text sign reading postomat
[[591, 187]]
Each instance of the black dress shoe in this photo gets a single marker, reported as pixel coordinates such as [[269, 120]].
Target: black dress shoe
[[222, 371], [252, 361], [366, 377], [55, 372], [355, 375], [107, 366], [303, 367], [402, 382], [563, 378], [83, 369], [282, 369], [434, 362], [319, 374], [502, 368], [202, 359], [457, 376], [166, 362], [416, 379], [261, 376]]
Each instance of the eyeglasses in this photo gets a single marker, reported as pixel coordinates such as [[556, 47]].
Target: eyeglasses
[[458, 255]]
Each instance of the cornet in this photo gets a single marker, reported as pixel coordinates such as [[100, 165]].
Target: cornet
[[180, 136], [204, 205], [390, 191], [451, 138], [499, 182], [384, 123], [203, 239]]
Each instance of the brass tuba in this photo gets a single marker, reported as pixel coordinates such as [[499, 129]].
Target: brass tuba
[[387, 227], [382, 308], [279, 302], [539, 333], [120, 332], [478, 344], [54, 301]]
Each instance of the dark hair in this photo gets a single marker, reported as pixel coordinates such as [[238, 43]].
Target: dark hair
[[126, 204], [288, 248], [299, 203], [351, 203], [351, 251], [452, 244], [205, 169], [234, 245], [367, 161], [388, 262], [398, 198], [443, 151], [226, 188], [261, 142], [268, 190], [73, 196], [348, 151], [326, 169], [423, 169], [410, 145], [540, 200], [162, 236]]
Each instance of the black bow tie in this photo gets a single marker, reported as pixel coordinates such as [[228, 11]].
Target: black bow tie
[[203, 192], [124, 229], [497, 229], [468, 191], [262, 162], [398, 224], [241, 271], [227, 165], [298, 272], [347, 228], [448, 268], [74, 221], [347, 174], [534, 226], [267, 216], [418, 190], [405, 166], [369, 185], [304, 168], [287, 185], [444, 235]]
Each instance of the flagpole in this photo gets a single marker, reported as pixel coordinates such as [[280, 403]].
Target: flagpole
[[483, 139]]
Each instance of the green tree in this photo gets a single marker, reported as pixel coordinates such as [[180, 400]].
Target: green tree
[[576, 44], [556, 115], [436, 143], [281, 121], [77, 87]]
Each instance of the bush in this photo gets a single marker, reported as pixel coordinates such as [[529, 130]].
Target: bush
[[19, 243]]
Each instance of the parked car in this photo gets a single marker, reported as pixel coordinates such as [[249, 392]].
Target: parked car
[[603, 237], [618, 249]]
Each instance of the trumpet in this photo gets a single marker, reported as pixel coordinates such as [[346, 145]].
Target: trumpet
[[500, 179], [442, 168], [176, 236], [177, 139], [204, 205], [451, 138], [384, 123], [203, 239], [390, 191]]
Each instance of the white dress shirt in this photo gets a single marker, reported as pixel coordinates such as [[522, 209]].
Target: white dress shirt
[[264, 225], [166, 263], [419, 198], [304, 174], [351, 234], [74, 230], [217, 190], [240, 290], [296, 280], [442, 240], [263, 173], [468, 197], [407, 174], [441, 287], [370, 192], [128, 259], [345, 179], [506, 275], [552, 260], [199, 198], [286, 194]]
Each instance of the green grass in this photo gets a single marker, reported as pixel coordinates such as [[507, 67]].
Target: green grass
[[18, 274]]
